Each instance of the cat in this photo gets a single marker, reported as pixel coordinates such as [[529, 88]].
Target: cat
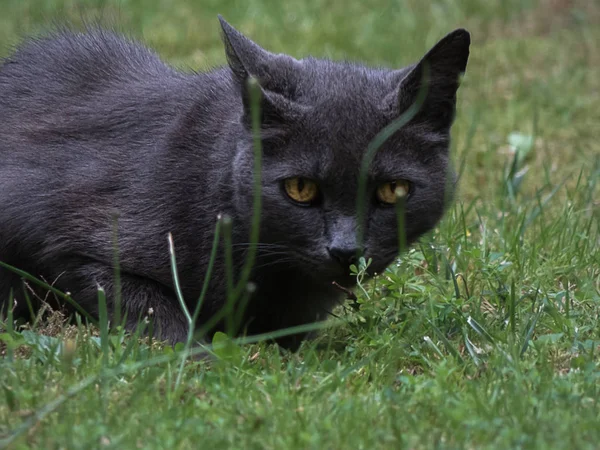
[[99, 138]]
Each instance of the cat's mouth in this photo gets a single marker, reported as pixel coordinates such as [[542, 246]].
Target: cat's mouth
[[328, 273], [341, 278], [347, 281], [346, 290]]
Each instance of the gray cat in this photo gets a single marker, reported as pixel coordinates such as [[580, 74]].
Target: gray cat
[[94, 126]]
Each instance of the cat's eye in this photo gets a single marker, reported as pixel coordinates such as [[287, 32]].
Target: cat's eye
[[301, 190], [389, 192]]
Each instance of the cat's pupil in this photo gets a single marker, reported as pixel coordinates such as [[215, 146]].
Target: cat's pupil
[[393, 186], [300, 184]]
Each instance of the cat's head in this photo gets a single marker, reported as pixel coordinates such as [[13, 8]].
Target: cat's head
[[318, 119]]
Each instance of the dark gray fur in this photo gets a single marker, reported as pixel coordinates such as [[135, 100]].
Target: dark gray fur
[[94, 126]]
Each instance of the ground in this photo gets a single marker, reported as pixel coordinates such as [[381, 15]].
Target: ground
[[485, 335]]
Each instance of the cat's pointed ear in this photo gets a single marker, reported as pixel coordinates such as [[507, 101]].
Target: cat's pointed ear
[[244, 57], [437, 76], [274, 73]]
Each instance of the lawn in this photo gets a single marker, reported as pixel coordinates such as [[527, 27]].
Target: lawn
[[484, 335]]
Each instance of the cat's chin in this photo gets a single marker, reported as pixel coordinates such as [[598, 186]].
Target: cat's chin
[[347, 281], [331, 273]]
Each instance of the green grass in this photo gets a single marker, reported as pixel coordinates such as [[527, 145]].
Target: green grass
[[486, 335]]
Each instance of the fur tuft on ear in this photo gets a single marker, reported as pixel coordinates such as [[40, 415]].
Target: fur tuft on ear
[[439, 73]]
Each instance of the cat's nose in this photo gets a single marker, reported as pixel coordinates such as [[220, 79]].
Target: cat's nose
[[344, 255]]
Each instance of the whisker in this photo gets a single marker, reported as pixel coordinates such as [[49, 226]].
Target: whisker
[[259, 244], [262, 252], [275, 262]]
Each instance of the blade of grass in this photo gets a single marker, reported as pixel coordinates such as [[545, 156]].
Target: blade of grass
[[184, 308], [255, 98], [371, 151], [61, 295], [103, 319]]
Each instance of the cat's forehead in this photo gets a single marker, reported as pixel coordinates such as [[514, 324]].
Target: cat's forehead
[[334, 146], [326, 79], [347, 103], [346, 106]]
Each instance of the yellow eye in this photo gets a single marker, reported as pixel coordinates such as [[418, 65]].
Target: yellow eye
[[389, 192], [301, 190]]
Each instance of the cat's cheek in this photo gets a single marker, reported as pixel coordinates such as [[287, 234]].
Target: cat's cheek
[[297, 228]]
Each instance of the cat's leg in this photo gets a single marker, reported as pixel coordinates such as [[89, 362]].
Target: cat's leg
[[303, 305], [141, 298]]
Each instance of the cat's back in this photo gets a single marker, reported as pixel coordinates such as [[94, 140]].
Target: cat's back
[[81, 113], [95, 86], [79, 62], [67, 81]]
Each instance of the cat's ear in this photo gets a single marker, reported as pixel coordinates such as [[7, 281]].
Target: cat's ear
[[274, 73], [437, 76]]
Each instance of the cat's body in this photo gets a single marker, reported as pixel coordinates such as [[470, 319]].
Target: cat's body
[[96, 130]]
